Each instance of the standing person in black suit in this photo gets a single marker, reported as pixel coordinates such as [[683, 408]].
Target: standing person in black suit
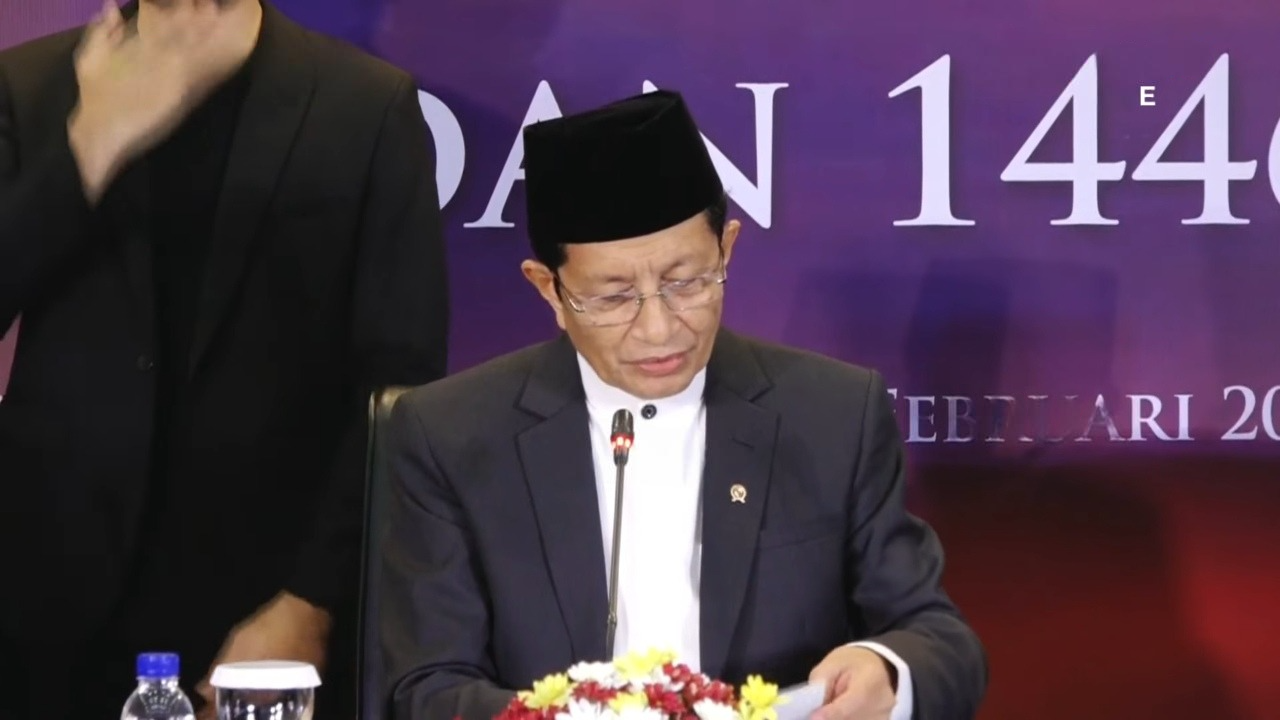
[[764, 528], [221, 232]]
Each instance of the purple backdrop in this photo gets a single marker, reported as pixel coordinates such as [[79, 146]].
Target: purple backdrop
[[999, 336], [1010, 305]]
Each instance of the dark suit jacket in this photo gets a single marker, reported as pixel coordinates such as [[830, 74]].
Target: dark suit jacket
[[325, 279], [494, 569]]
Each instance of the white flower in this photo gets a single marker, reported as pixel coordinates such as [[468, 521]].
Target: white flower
[[601, 672], [712, 710], [641, 713], [585, 710], [636, 682]]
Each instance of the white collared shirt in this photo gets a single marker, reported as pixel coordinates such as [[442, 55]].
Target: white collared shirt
[[661, 549]]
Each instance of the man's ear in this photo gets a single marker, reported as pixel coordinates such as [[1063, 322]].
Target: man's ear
[[729, 237], [544, 281]]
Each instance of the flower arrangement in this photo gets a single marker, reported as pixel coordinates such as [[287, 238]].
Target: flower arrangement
[[642, 686]]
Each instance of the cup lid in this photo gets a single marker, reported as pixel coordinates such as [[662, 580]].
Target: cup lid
[[265, 675]]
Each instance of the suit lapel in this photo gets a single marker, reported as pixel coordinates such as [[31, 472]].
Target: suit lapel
[[740, 442], [560, 472], [280, 84]]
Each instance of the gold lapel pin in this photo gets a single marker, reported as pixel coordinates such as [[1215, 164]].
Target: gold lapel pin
[[738, 494]]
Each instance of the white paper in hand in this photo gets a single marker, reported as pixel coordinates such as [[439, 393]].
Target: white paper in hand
[[798, 702]]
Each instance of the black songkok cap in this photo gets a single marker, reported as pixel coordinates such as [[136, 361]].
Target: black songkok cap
[[629, 168]]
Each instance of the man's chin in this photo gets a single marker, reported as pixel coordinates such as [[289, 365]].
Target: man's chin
[[649, 387]]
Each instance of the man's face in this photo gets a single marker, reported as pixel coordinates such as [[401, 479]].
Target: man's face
[[657, 353]]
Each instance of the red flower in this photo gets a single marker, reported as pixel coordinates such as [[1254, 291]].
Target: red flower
[[717, 691], [593, 691], [543, 714], [660, 698], [511, 712], [694, 688], [679, 673]]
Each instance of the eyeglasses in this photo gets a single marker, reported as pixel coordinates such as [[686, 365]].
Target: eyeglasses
[[623, 308]]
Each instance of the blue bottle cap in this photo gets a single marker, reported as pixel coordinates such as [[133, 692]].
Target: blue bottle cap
[[156, 666]]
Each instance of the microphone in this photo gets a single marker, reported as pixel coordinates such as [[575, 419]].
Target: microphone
[[621, 438]]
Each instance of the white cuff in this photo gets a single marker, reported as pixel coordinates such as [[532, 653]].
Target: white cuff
[[903, 707]]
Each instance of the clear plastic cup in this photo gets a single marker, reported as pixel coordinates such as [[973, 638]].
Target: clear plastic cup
[[265, 690]]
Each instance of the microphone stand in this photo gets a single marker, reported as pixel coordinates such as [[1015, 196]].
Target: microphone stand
[[613, 566], [622, 437]]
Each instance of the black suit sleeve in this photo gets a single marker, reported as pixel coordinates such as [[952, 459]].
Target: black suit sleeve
[[44, 215], [898, 563], [435, 610], [399, 333]]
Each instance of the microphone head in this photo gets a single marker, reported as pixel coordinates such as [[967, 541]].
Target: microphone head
[[623, 434], [623, 423]]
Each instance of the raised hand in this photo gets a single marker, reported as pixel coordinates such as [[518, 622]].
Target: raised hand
[[138, 83]]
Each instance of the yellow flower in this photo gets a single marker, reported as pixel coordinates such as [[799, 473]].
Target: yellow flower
[[757, 699], [628, 701], [548, 692], [636, 666]]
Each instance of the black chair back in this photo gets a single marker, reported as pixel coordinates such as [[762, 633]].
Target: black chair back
[[369, 671]]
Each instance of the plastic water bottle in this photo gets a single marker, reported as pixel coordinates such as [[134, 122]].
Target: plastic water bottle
[[158, 697]]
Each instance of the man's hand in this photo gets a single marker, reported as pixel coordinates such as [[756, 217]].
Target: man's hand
[[137, 84], [287, 628], [860, 685]]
